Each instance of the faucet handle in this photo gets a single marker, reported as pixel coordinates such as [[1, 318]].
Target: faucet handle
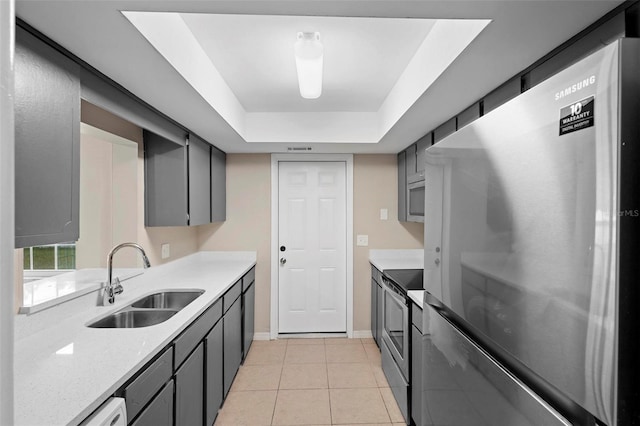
[[117, 287]]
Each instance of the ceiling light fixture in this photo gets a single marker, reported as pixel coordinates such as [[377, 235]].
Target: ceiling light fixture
[[309, 53]]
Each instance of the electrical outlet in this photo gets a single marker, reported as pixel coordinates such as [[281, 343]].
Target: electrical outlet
[[166, 251], [384, 214], [362, 240]]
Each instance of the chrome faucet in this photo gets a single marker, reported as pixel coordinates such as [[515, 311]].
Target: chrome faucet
[[112, 286]]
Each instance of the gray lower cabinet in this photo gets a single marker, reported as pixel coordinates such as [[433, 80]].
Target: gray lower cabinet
[[214, 373], [160, 411], [374, 310], [248, 317], [376, 305], [186, 383], [232, 343], [189, 390], [147, 383], [416, 364], [47, 144], [380, 302]]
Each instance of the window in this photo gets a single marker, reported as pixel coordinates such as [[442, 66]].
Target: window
[[56, 257]]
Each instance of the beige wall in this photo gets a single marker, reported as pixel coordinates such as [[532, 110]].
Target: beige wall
[[248, 225], [375, 187], [108, 198]]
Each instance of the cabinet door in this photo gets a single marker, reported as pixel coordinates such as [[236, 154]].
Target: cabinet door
[[214, 372], [47, 144], [190, 389], [232, 343], [402, 186], [374, 309], [379, 323], [218, 185], [165, 185], [421, 154], [249, 302], [411, 159], [199, 166], [416, 375], [160, 411]]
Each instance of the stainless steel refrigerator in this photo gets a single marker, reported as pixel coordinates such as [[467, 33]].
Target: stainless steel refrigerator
[[532, 310]]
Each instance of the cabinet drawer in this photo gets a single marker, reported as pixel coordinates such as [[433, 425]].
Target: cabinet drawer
[[248, 279], [416, 316], [160, 411], [231, 295], [189, 339], [139, 392]]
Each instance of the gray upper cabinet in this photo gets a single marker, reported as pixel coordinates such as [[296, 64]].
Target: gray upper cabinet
[[421, 148], [184, 184], [199, 154], [218, 185], [402, 186], [165, 186], [47, 147], [411, 160]]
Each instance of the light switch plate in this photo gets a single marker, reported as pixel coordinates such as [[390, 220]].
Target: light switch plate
[[384, 214], [166, 251], [362, 240]]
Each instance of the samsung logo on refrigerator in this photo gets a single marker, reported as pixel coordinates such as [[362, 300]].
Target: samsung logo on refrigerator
[[575, 87]]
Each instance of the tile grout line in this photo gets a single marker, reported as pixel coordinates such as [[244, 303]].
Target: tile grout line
[[326, 368], [273, 413]]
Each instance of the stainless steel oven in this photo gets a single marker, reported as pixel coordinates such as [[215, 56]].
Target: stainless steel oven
[[395, 343], [395, 324], [415, 197]]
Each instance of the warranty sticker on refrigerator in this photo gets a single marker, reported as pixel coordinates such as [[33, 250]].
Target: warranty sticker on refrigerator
[[577, 116]]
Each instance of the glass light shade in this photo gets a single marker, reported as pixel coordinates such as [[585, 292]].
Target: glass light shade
[[309, 61]]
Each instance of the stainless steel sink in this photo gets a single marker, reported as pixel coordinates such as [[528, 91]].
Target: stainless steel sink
[[167, 299], [134, 318], [148, 310]]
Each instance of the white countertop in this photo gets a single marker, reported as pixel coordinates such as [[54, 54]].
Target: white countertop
[[65, 370], [397, 259]]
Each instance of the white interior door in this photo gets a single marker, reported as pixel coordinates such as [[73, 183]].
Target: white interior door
[[312, 228]]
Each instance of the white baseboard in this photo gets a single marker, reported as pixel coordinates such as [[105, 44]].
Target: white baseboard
[[362, 334], [262, 336], [357, 334]]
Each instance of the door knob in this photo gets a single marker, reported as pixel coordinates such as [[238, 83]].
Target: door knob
[[437, 262], [283, 260]]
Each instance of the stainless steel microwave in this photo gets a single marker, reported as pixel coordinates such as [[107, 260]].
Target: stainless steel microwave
[[415, 197]]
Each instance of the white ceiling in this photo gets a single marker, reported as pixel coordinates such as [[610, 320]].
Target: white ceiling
[[363, 58], [422, 56], [520, 32]]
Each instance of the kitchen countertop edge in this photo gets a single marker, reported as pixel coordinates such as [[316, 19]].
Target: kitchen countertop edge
[[397, 259]]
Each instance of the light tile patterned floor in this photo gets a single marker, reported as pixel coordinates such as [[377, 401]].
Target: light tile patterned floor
[[335, 381]]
